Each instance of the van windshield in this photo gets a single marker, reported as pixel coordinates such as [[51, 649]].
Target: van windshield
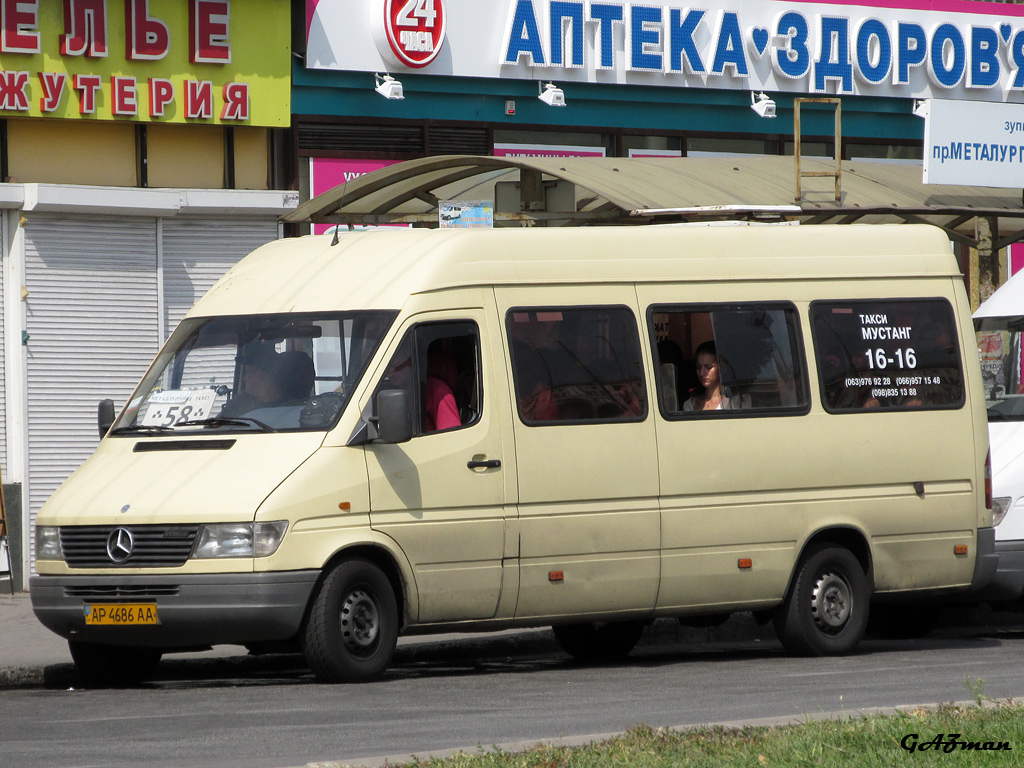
[[255, 373], [1002, 366]]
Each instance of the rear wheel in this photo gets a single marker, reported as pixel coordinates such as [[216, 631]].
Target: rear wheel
[[99, 664], [826, 610], [591, 642], [353, 624]]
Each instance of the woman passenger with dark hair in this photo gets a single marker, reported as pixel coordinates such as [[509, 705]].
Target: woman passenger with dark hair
[[715, 397]]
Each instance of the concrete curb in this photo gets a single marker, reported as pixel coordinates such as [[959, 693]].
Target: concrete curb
[[596, 738]]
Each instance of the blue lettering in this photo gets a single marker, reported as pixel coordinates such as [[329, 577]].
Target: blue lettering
[[957, 151], [911, 49], [794, 60], [681, 45], [984, 57], [606, 15], [524, 37], [1017, 54], [873, 29], [641, 19], [949, 35], [729, 50], [833, 62], [560, 11]]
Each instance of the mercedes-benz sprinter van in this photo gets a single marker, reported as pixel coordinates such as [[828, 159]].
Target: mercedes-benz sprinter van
[[588, 428]]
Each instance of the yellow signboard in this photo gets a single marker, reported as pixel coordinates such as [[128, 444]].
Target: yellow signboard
[[161, 61]]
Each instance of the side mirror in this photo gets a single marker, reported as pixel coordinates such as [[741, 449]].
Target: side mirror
[[105, 416], [394, 422]]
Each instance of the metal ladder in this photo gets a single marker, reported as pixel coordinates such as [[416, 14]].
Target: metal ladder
[[838, 172]]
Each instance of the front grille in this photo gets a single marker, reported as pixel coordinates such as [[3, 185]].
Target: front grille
[[123, 593], [155, 546]]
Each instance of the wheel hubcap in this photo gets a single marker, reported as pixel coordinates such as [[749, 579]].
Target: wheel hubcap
[[360, 622], [831, 603]]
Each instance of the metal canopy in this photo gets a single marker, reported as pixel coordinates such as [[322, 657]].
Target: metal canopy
[[656, 190]]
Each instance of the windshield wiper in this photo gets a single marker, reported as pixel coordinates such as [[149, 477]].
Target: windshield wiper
[[221, 421], [140, 428]]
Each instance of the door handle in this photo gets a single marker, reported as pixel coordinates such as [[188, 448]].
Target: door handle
[[489, 464]]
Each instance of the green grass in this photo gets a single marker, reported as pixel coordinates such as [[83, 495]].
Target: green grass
[[854, 742]]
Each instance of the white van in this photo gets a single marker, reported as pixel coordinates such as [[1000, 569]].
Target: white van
[[438, 430], [999, 322]]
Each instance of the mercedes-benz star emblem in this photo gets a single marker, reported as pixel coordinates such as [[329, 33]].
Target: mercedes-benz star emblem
[[120, 545]]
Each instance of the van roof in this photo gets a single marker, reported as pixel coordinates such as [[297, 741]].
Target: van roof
[[381, 269]]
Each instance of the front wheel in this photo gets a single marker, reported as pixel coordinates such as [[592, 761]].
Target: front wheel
[[609, 641], [353, 624], [825, 612], [99, 665]]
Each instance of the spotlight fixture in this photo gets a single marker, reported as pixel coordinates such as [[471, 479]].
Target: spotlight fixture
[[922, 107], [764, 106], [551, 94], [388, 87]]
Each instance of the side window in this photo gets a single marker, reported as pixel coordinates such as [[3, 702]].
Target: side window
[[576, 364], [723, 359], [438, 364], [887, 353]]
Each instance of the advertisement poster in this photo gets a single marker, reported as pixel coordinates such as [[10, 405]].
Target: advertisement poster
[[546, 150], [326, 173], [980, 145], [154, 61], [466, 214], [951, 49]]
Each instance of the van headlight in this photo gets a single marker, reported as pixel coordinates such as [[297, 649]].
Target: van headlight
[[1000, 506], [239, 539], [48, 543]]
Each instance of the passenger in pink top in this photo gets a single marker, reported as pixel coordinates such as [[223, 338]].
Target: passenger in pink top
[[441, 410]]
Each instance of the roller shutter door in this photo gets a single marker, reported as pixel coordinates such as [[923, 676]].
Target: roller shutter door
[[198, 251], [93, 326], [4, 292]]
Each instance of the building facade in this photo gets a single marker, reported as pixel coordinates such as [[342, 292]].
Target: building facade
[[137, 153], [635, 79]]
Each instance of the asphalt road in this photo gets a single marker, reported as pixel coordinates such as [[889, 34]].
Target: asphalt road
[[270, 713]]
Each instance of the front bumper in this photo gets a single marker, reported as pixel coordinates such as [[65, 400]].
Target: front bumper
[[194, 610]]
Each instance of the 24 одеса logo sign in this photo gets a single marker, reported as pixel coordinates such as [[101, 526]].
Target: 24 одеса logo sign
[[410, 32]]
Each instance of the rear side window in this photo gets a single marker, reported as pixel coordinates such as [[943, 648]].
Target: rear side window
[[579, 364], [728, 360], [888, 353]]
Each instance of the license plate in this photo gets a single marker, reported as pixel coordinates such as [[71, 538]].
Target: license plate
[[121, 614]]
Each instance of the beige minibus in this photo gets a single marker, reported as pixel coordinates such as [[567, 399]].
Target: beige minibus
[[416, 431]]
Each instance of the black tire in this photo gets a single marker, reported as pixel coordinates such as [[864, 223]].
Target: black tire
[[353, 624], [113, 665], [604, 642], [826, 610]]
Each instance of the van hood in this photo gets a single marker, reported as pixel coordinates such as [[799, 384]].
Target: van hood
[[187, 479]]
